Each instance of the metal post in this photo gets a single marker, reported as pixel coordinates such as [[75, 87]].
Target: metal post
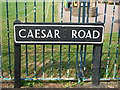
[[17, 66], [96, 64]]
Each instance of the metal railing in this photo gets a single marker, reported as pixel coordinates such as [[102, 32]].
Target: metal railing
[[58, 62]]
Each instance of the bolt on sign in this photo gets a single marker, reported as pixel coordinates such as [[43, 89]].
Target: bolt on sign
[[57, 33]]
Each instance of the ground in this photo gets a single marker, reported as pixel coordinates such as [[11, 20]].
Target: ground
[[71, 84]]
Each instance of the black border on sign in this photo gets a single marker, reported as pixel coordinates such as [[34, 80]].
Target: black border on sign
[[18, 23]]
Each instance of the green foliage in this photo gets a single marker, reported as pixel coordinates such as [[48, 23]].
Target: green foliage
[[28, 83]]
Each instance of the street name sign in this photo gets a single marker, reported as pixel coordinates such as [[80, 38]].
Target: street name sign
[[58, 33]]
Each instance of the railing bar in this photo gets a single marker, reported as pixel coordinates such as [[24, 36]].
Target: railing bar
[[25, 2], [71, 11], [52, 45], [34, 45], [52, 61], [79, 11], [115, 61], [68, 70], [81, 71], [117, 54], [68, 66], [25, 15], [88, 8], [110, 41], [105, 11], [60, 65], [85, 48], [77, 61], [61, 45], [43, 10], [34, 61], [81, 49], [43, 57], [8, 37], [83, 12], [43, 61], [87, 79], [92, 62], [62, 11], [96, 5], [77, 48], [53, 11], [16, 10]]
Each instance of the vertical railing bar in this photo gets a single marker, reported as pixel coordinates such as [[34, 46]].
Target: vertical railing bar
[[25, 14], [43, 45], [1, 45], [79, 11], [81, 49], [92, 62], [81, 71], [52, 11], [62, 11], [8, 37], [34, 45], [77, 61], [71, 11], [96, 5], [88, 8], [84, 68], [115, 61], [43, 10], [83, 15], [111, 30], [117, 52], [105, 11], [52, 61], [85, 48], [34, 10], [61, 45], [68, 70], [60, 67], [119, 36], [52, 45], [77, 64], [43, 70], [16, 10], [25, 10], [1, 74]]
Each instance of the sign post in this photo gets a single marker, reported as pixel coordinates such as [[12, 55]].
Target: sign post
[[17, 66], [58, 34], [96, 64]]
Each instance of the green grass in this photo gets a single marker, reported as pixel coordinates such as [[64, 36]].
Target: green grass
[[48, 47]]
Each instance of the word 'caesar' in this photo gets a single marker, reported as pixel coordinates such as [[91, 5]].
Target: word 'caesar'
[[38, 33]]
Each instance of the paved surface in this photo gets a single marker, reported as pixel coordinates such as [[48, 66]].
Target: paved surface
[[66, 16], [102, 85], [67, 85]]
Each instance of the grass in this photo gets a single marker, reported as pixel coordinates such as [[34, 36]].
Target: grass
[[48, 49]]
